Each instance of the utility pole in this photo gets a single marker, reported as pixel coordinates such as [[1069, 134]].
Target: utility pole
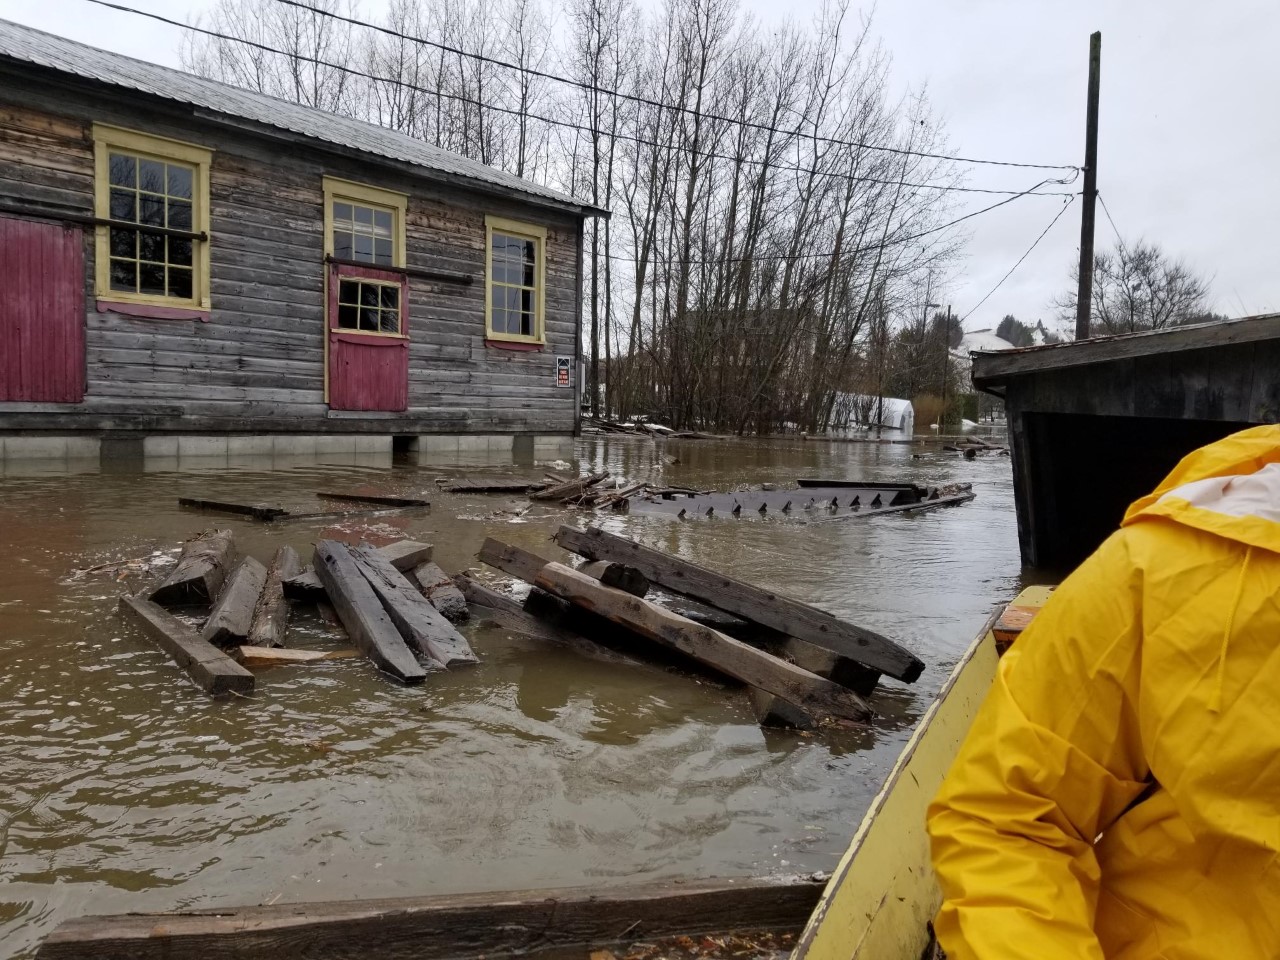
[[1084, 295], [946, 369]]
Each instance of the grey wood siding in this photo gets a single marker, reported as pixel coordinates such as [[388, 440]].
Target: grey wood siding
[[258, 363]]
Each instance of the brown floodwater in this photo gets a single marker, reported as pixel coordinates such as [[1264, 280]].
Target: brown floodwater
[[124, 788]]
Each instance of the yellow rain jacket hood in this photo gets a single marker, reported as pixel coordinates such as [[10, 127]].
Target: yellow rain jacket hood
[[1119, 793]]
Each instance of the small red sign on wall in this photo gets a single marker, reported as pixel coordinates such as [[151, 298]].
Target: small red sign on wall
[[564, 371]]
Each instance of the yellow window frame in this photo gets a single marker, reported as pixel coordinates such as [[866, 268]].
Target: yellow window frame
[[347, 191], [525, 231], [105, 139]]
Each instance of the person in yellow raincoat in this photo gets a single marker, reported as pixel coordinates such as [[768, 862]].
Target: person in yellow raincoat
[[1118, 795]]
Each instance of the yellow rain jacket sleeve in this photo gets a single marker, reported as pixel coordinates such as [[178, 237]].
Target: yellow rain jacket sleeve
[[1118, 795]]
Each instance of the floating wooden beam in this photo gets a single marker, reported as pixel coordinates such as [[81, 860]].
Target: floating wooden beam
[[361, 612], [404, 555], [619, 575], [304, 586], [232, 616], [271, 614], [497, 485], [376, 500], [732, 657], [566, 922], [773, 711], [257, 511], [201, 568], [413, 615], [251, 656], [787, 616], [440, 592], [211, 669], [510, 614]]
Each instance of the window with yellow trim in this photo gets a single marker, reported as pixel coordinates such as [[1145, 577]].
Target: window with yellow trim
[[154, 193], [363, 224], [515, 280]]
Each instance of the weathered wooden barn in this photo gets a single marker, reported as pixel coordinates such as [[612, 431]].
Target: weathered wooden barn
[[1097, 424], [188, 265]]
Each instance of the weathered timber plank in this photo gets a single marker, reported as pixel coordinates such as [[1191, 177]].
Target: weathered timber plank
[[304, 587], [617, 575], [344, 514], [406, 554], [232, 616], [413, 615], [773, 711], [256, 510], [440, 591], [211, 669], [251, 656], [523, 923], [377, 500], [201, 568], [271, 614], [510, 614], [732, 657], [790, 617], [495, 485], [361, 612]]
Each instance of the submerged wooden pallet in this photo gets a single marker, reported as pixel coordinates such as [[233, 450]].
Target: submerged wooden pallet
[[838, 501]]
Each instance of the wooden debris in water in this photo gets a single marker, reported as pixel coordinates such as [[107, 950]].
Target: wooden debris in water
[[258, 511], [721, 652], [499, 485], [211, 669], [251, 656], [375, 499], [232, 616], [304, 586], [201, 568], [440, 591], [572, 490], [271, 614], [414, 617], [787, 616], [362, 614], [404, 555]]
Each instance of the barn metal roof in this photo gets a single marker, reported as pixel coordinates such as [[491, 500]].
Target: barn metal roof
[[26, 45]]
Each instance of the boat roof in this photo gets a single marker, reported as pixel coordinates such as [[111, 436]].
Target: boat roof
[[26, 45]]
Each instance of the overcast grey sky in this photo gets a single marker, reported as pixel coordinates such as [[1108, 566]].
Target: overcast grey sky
[[1189, 140]]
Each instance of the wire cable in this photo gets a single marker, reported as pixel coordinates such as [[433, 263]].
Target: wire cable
[[853, 251], [594, 88], [567, 124], [1043, 233], [1114, 228]]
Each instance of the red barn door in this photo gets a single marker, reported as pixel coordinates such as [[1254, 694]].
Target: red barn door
[[368, 339], [41, 312]]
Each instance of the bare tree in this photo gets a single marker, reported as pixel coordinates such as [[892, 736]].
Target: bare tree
[[1139, 287]]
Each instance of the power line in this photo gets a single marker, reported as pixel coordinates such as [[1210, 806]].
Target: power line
[[853, 251], [1058, 216], [636, 98], [854, 178], [1109, 220]]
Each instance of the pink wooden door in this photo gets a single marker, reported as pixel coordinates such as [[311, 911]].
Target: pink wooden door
[[368, 339], [41, 312]]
